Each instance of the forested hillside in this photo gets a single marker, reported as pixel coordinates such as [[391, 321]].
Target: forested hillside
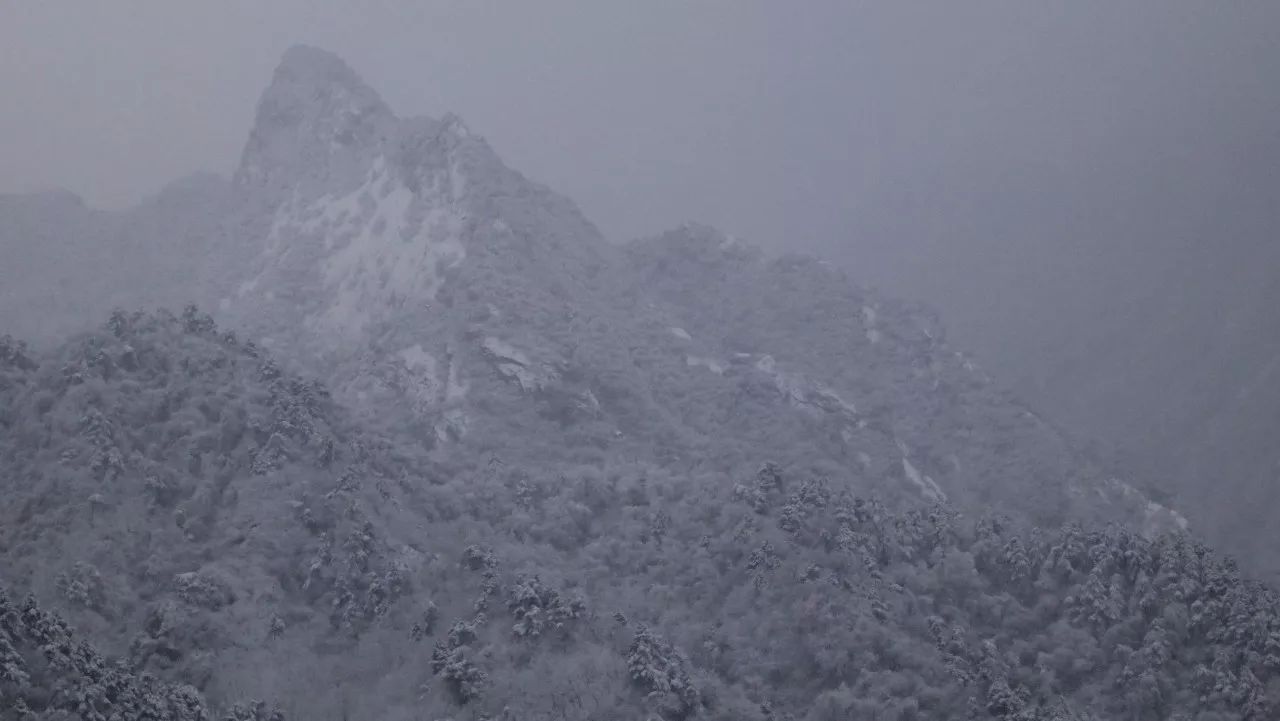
[[212, 520]]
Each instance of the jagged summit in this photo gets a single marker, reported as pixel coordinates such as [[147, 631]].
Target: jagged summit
[[354, 219], [302, 60], [311, 79], [316, 120], [320, 129]]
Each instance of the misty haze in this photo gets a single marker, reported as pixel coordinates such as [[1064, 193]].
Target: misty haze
[[633, 361]]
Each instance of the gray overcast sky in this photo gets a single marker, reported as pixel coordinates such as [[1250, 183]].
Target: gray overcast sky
[[943, 149]]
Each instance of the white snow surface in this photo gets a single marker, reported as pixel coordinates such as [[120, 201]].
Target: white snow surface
[[455, 388], [803, 393], [503, 350], [421, 380], [1156, 517], [514, 364], [869, 320], [415, 357], [708, 363], [396, 254], [926, 485], [375, 248]]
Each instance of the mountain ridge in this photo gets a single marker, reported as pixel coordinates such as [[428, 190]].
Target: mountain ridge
[[400, 259]]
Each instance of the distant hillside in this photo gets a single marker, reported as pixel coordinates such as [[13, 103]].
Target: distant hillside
[[63, 265], [1182, 368]]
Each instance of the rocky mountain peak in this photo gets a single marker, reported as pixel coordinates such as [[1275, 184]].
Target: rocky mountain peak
[[317, 121], [355, 218]]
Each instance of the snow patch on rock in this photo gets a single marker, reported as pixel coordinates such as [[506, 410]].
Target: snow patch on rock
[[399, 253], [416, 358], [421, 377], [708, 363], [790, 386], [924, 484], [452, 425], [514, 364], [802, 393], [504, 351], [374, 248], [869, 320], [1157, 518], [455, 387]]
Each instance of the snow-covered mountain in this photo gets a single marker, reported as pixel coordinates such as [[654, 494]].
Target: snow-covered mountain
[[406, 261], [436, 289], [479, 422]]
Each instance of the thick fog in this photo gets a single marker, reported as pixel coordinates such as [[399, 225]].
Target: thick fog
[[317, 402], [1059, 180], [1086, 191]]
